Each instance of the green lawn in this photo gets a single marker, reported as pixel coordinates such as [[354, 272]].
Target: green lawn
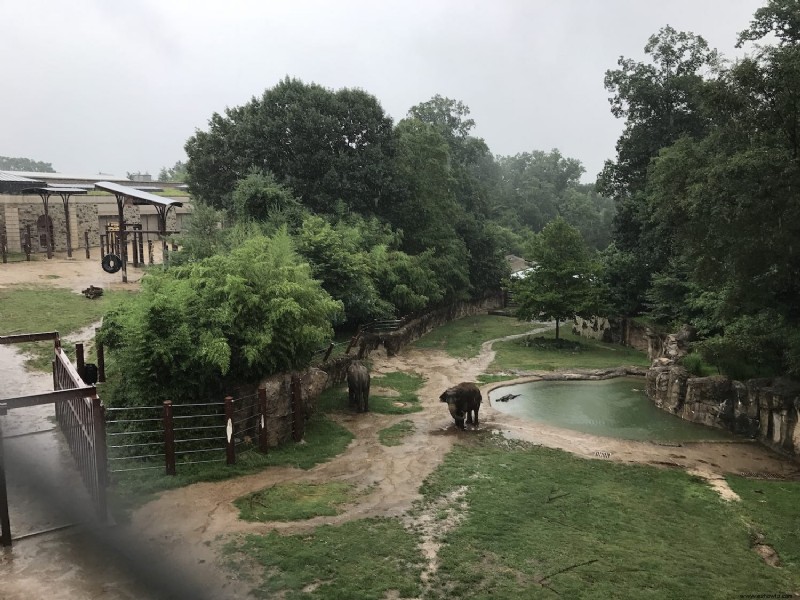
[[543, 352], [295, 501], [38, 309], [463, 338], [395, 434]]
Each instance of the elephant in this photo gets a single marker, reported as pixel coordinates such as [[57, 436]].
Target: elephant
[[358, 386], [463, 400]]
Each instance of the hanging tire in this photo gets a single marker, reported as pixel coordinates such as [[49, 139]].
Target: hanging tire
[[111, 263]]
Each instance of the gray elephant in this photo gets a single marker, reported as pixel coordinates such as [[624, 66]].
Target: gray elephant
[[358, 386], [463, 400]]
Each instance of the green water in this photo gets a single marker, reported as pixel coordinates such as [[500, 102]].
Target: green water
[[615, 407]]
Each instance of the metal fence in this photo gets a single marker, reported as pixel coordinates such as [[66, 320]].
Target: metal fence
[[83, 424], [172, 435]]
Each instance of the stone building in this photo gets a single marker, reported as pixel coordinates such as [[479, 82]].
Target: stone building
[[93, 213]]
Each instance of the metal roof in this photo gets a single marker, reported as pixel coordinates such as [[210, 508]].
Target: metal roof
[[138, 196], [57, 189], [14, 176]]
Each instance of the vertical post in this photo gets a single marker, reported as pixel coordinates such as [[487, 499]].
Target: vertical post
[[328, 353], [100, 457], [5, 522], [101, 362], [135, 246], [3, 247], [230, 445], [297, 409], [263, 442], [169, 438], [28, 243], [141, 246], [86, 240], [79, 359], [150, 251]]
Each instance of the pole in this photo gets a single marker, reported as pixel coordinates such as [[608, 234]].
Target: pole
[[169, 438], [28, 243], [101, 362], [5, 522], [79, 360], [86, 239]]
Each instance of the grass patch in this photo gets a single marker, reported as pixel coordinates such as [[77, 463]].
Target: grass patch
[[406, 401], [545, 353], [323, 440], [294, 501], [770, 508], [360, 560], [542, 521], [38, 309], [463, 338], [394, 435]]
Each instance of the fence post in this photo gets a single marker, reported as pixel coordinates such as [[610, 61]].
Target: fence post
[[298, 417], [230, 445], [169, 439], [150, 251], [5, 522], [86, 241], [263, 443], [328, 353], [353, 340], [28, 243], [79, 360], [101, 361]]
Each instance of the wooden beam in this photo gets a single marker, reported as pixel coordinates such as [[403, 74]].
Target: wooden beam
[[49, 397], [28, 337]]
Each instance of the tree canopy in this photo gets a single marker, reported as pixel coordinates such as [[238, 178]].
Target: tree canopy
[[8, 163]]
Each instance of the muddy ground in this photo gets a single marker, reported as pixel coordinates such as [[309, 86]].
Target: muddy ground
[[185, 529]]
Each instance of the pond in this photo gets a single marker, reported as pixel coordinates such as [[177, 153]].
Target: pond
[[616, 407]]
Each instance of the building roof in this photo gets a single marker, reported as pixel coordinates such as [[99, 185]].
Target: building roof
[[15, 176], [137, 196]]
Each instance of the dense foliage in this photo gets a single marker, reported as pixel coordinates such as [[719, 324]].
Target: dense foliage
[[232, 318], [10, 163], [706, 185]]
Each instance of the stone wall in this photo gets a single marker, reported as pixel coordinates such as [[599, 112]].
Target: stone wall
[[628, 333], [764, 409], [314, 380]]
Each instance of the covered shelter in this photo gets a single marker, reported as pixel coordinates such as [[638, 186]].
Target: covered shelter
[[65, 191], [129, 196]]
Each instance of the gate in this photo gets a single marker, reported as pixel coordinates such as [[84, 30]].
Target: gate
[[79, 414]]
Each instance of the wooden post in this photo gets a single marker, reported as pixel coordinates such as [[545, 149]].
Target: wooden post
[[263, 442], [101, 362], [141, 246], [86, 240], [135, 246], [230, 443], [169, 438], [150, 251], [328, 353], [28, 243], [353, 340], [3, 248], [298, 417], [79, 360], [5, 522]]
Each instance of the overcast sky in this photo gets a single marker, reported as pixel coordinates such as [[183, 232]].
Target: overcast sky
[[118, 86]]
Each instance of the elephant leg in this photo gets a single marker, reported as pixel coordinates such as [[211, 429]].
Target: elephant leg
[[476, 417], [366, 399], [469, 417]]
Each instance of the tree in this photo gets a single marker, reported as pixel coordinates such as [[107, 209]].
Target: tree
[[193, 331], [176, 172], [8, 163], [261, 198], [564, 281], [326, 146]]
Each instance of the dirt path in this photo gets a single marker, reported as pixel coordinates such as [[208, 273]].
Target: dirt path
[[391, 476], [191, 524]]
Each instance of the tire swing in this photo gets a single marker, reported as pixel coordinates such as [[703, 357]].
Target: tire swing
[[111, 263]]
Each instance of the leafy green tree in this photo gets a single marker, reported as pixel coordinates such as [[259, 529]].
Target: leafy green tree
[[326, 146], [564, 281], [193, 331], [176, 172], [261, 198], [8, 163]]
